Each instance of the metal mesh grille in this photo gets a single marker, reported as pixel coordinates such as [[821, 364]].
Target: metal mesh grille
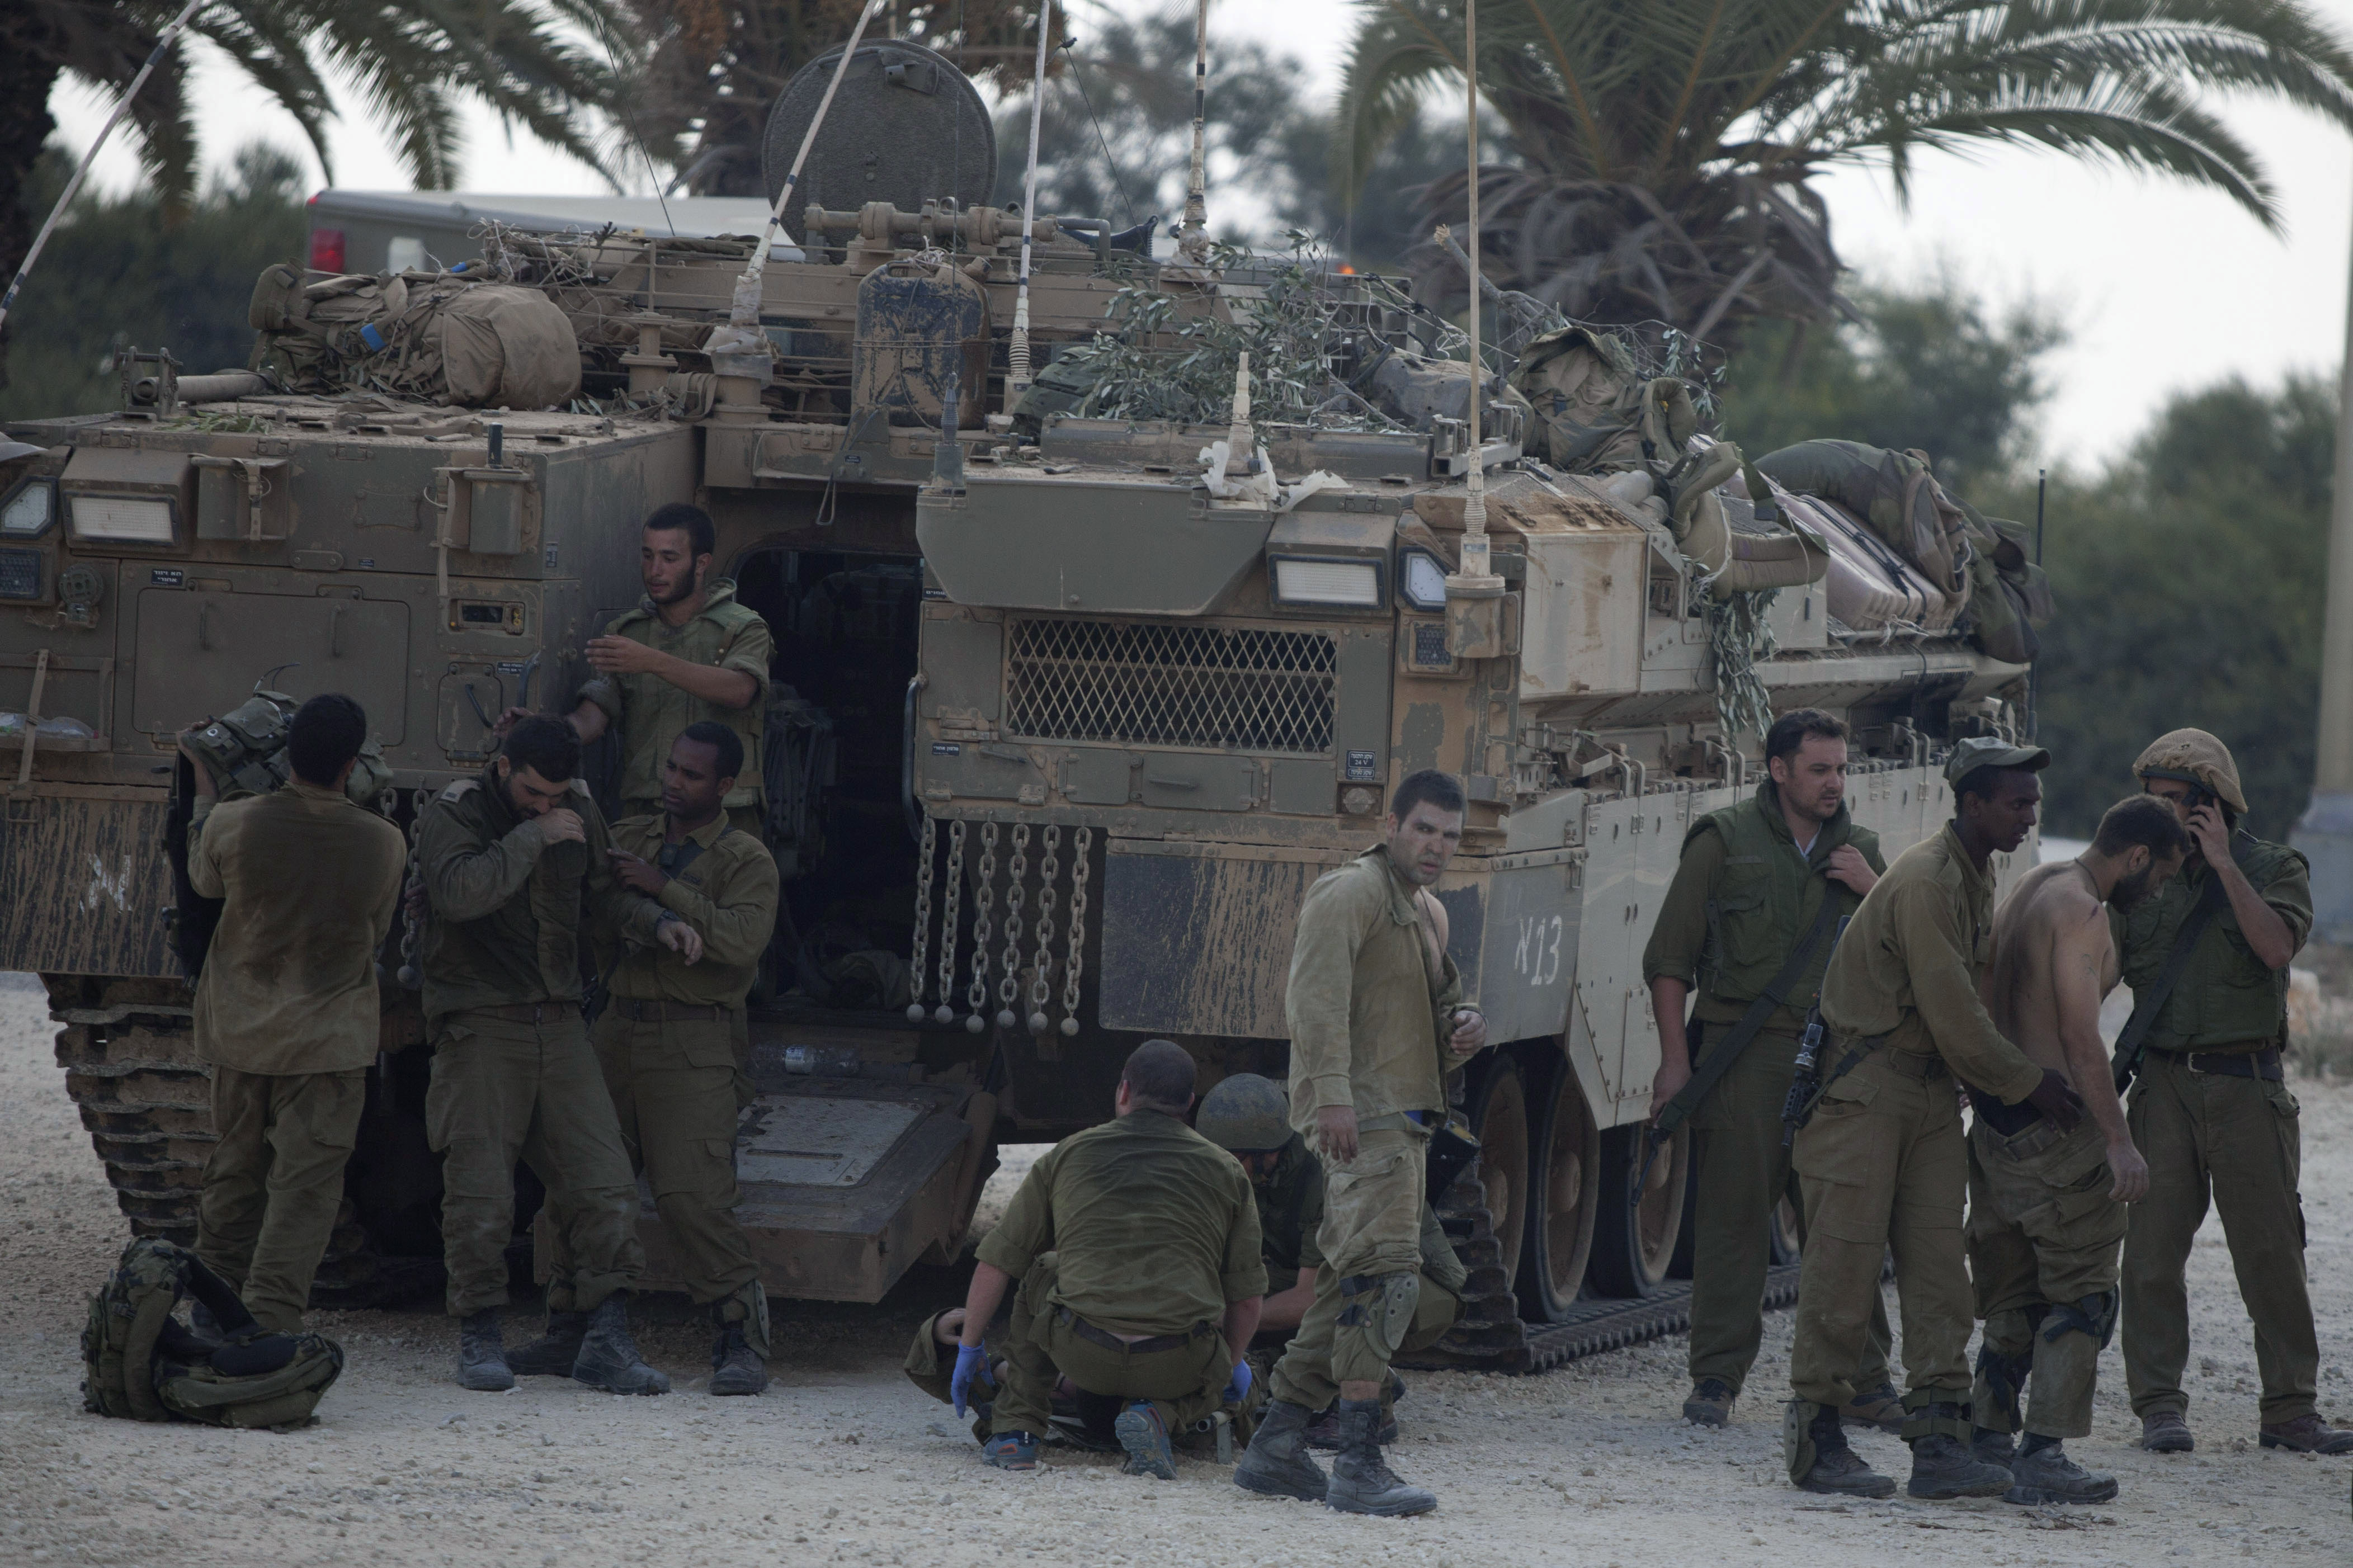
[[1249, 689]]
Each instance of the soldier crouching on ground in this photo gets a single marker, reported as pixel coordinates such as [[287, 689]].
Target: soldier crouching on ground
[[1376, 1018], [2208, 958], [666, 1041], [2046, 1208], [514, 865], [1750, 919], [1883, 1161], [286, 1008], [1135, 1247]]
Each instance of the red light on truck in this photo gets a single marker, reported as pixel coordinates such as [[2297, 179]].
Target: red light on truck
[[326, 250]]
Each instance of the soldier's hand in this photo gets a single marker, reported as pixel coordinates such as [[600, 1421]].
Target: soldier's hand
[[636, 874], [2058, 1100], [1847, 866], [622, 655], [1238, 1386], [1335, 1132], [968, 1358], [507, 719], [2207, 828], [562, 826], [1667, 1083], [681, 939], [1470, 1033], [948, 1326], [2131, 1172]]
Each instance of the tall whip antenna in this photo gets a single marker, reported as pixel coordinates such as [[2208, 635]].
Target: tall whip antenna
[[1474, 622], [1193, 239], [1017, 380]]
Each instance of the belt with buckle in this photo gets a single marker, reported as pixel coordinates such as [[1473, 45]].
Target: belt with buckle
[[1110, 1341], [657, 1011], [530, 1012], [1912, 1064], [2263, 1063]]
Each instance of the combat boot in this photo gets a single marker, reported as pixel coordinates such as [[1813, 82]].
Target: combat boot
[[2165, 1431], [481, 1357], [2307, 1435], [1276, 1463], [2045, 1474], [1941, 1465], [1814, 1445], [553, 1353], [608, 1356], [1880, 1409], [1361, 1480], [735, 1366], [1710, 1404], [1324, 1432], [1994, 1448]]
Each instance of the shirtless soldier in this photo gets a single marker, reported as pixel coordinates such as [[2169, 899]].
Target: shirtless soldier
[[2046, 1208]]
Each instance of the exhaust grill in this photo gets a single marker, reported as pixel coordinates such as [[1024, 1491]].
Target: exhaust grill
[[1245, 689]]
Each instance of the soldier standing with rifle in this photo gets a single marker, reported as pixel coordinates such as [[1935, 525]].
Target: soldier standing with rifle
[[2207, 960], [1881, 1159], [1749, 921]]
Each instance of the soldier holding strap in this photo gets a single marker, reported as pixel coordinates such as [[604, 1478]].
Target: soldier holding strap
[[1749, 921]]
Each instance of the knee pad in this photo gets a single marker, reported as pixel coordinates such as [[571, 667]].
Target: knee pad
[[1382, 1306], [1797, 1448], [749, 1307], [2094, 1316]]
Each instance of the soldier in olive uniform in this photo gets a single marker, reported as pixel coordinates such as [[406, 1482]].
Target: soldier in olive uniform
[[514, 865], [1883, 1161], [2210, 1111], [1135, 1249], [666, 1040], [1377, 1019], [286, 1007], [1759, 882]]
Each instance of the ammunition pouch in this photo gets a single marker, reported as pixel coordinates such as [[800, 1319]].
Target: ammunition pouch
[[1932, 1412], [2094, 1315]]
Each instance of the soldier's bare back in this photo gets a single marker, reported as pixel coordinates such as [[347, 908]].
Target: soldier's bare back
[[2053, 962]]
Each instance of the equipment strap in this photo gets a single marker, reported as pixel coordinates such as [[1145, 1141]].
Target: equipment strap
[[2132, 1041], [1709, 1072]]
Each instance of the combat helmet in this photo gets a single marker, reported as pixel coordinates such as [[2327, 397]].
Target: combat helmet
[[2194, 757], [1244, 1114]]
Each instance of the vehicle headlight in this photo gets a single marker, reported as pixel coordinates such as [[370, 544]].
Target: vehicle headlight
[[30, 511], [134, 519], [1423, 581], [1299, 581]]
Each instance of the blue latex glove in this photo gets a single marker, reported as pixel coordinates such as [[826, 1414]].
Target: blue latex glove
[[1239, 1383], [968, 1361]]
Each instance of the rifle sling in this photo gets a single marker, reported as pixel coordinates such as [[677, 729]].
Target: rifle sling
[[2147, 1004], [1705, 1076]]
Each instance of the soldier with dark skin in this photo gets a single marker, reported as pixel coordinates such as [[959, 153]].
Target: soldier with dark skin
[[286, 1008], [1377, 1019], [2047, 1208], [1749, 891], [1882, 1163], [2211, 1109], [513, 867], [1134, 1246]]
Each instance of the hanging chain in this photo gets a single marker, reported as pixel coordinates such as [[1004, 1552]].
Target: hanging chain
[[984, 894], [1009, 985], [1082, 844], [945, 1013], [1050, 870], [916, 975], [412, 889]]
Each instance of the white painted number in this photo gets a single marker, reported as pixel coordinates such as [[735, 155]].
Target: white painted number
[[1538, 957]]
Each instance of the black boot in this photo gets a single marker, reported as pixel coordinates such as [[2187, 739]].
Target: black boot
[[482, 1355], [1995, 1447], [553, 1353], [1835, 1465], [1941, 1465], [1362, 1481], [608, 1356], [1276, 1463], [735, 1366]]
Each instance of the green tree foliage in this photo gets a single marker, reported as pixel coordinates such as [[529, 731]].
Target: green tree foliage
[[117, 275], [2189, 580]]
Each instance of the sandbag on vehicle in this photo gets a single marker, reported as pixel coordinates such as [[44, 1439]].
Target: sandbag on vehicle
[[2010, 596], [1893, 492], [443, 338], [1587, 397], [1868, 587], [1718, 532]]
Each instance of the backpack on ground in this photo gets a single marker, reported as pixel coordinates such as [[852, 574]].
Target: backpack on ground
[[140, 1361]]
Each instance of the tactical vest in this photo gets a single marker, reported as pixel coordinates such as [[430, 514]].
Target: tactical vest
[[1284, 1224], [1765, 899], [2226, 996], [139, 1363]]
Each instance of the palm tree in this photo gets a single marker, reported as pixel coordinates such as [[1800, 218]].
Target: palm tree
[[415, 61], [1665, 147]]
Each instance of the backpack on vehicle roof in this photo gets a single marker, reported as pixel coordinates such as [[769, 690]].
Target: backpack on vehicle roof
[[140, 1361]]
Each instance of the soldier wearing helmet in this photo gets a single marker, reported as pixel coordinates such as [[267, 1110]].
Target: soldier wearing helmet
[[2207, 961], [1247, 1116]]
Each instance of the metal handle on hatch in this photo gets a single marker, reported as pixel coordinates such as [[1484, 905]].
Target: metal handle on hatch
[[1172, 784], [205, 626], [907, 760]]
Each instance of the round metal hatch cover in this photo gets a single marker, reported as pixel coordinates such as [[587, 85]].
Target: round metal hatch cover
[[906, 128]]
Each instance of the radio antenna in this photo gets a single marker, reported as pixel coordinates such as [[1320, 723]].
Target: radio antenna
[[1017, 380], [1476, 582], [1193, 238]]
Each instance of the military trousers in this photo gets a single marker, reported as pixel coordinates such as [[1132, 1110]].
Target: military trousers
[[1884, 1166], [504, 1090], [2235, 1142], [1185, 1383], [274, 1182], [1372, 1230], [1740, 1173], [2042, 1240]]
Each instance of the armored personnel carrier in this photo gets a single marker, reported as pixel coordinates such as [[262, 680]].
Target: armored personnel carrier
[[1072, 704]]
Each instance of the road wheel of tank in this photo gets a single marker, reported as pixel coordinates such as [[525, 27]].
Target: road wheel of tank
[[1566, 1180], [1499, 1116], [1634, 1242], [1783, 1237]]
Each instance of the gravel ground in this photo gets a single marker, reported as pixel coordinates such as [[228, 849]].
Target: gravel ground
[[842, 1461]]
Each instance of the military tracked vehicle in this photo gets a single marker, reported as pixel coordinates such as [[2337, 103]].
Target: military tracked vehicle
[[1069, 711]]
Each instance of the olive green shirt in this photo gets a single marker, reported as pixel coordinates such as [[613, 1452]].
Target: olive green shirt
[[647, 713], [1153, 1226], [2226, 996], [505, 908], [310, 881], [723, 882], [1289, 1211], [1368, 1020], [1908, 969], [1787, 894]]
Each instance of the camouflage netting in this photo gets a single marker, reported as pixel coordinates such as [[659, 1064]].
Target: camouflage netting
[[439, 338]]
